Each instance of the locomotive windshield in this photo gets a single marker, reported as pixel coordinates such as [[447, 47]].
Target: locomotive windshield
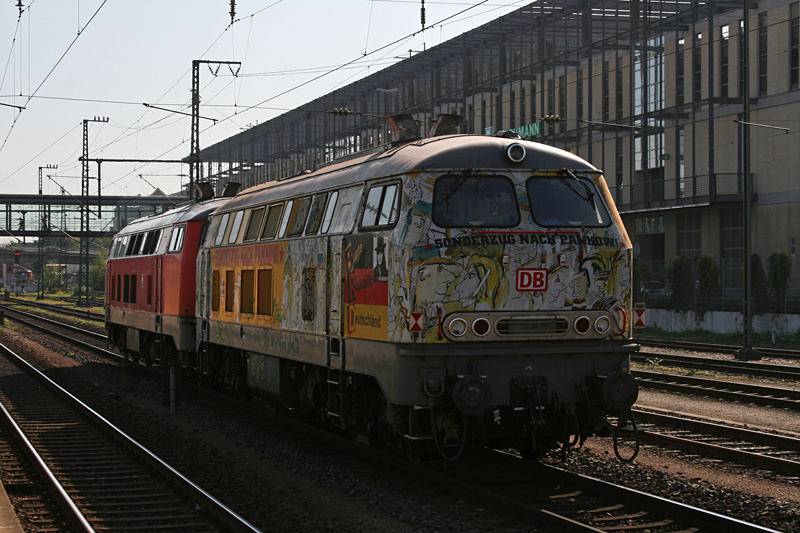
[[561, 201], [474, 201]]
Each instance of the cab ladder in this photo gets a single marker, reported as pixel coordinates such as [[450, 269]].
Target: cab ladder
[[335, 362]]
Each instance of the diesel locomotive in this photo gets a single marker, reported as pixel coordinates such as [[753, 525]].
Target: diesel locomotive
[[453, 291]]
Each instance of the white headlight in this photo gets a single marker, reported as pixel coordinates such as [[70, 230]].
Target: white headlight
[[457, 327]]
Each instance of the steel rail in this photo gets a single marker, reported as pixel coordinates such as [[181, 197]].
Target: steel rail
[[63, 500], [781, 442], [731, 390], [707, 363], [719, 348], [696, 516], [71, 311], [217, 509], [100, 337]]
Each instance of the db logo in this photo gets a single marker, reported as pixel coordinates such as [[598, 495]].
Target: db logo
[[532, 279]]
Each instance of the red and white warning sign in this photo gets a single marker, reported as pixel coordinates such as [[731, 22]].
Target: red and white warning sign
[[639, 316], [416, 321]]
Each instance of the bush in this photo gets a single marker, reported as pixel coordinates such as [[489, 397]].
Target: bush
[[680, 274], [780, 274]]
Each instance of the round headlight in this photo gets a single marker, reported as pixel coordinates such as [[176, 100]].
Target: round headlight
[[582, 325], [516, 152], [602, 325], [481, 327], [457, 327]]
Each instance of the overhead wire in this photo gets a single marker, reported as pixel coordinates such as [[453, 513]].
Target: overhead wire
[[60, 59]]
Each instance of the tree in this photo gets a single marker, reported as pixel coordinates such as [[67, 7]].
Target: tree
[[780, 274], [97, 272], [680, 274]]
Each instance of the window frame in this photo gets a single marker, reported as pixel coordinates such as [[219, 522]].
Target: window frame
[[176, 239], [436, 209], [394, 212], [599, 203]]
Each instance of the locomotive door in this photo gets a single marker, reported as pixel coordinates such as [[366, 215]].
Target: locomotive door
[[334, 307]]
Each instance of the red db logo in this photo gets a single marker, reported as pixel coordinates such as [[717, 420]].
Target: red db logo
[[532, 279]]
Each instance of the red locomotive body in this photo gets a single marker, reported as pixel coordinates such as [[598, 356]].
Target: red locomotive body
[[151, 279]]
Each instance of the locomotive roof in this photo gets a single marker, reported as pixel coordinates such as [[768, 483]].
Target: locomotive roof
[[436, 153], [182, 213]]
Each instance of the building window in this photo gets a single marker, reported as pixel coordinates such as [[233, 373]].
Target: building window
[[619, 93], [523, 113], [679, 74], [579, 96], [689, 230], [697, 65], [606, 96], [762, 54], [562, 100], [742, 69], [723, 61], [512, 110], [619, 165], [731, 244], [794, 45], [681, 167]]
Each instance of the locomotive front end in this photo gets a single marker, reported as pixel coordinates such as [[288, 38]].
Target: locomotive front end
[[512, 297]]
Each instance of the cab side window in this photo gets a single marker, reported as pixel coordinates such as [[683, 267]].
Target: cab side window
[[176, 242], [382, 206]]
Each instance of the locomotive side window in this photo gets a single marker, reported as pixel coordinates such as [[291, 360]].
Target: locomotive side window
[[215, 291], [315, 215], [299, 216], [474, 201], [133, 279], [247, 298], [381, 208], [326, 219], [176, 242], [265, 291], [151, 242], [237, 224], [273, 217], [256, 216], [347, 210], [133, 244], [221, 229], [285, 219], [566, 201], [230, 277]]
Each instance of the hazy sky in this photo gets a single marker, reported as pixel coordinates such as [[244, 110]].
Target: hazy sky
[[70, 60]]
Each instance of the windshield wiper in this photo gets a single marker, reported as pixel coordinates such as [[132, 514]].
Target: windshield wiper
[[589, 195], [462, 179]]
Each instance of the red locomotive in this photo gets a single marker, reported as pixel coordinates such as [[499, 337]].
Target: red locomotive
[[150, 282]]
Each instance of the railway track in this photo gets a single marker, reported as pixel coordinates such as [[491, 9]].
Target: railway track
[[719, 365], [769, 451], [567, 501], [779, 353], [559, 500], [729, 390], [52, 327], [60, 309], [102, 478]]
